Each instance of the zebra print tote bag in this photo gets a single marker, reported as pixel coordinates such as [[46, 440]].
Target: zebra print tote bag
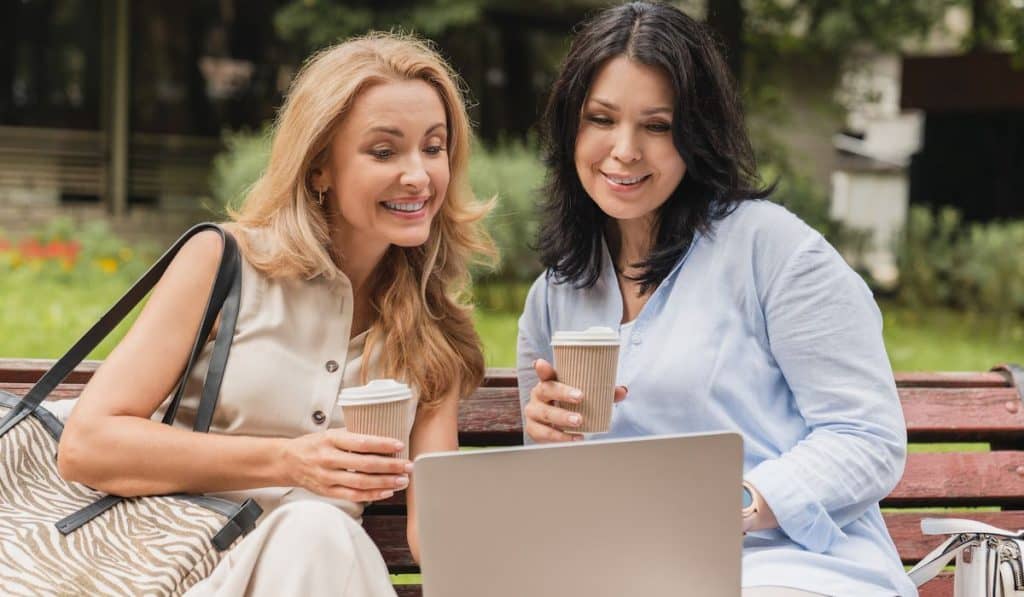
[[61, 538]]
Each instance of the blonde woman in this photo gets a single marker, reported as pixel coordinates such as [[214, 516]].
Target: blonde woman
[[355, 240]]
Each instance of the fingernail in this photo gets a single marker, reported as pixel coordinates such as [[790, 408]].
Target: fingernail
[[574, 419], [386, 494], [626, 388], [408, 468], [577, 438], [398, 445], [574, 393], [402, 481]]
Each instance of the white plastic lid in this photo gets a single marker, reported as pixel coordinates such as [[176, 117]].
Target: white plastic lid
[[594, 336], [375, 392]]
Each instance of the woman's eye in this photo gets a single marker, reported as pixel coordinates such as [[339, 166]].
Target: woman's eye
[[599, 120], [434, 149], [382, 154], [659, 127]]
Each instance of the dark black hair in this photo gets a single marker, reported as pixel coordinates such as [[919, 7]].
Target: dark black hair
[[707, 130]]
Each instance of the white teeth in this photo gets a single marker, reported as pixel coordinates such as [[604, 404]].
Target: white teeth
[[625, 181], [405, 206]]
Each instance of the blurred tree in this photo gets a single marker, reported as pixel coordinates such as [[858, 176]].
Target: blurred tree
[[316, 23], [835, 27]]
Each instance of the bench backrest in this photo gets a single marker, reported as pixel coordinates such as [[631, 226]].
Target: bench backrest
[[980, 414]]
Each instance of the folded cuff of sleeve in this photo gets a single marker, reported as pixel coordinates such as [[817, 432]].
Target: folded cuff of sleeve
[[799, 513]]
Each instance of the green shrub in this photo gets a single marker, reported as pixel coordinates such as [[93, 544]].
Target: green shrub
[[239, 166], [977, 267], [513, 174]]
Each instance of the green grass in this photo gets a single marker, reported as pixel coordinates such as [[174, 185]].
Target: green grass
[[916, 340], [44, 312], [43, 315], [946, 340]]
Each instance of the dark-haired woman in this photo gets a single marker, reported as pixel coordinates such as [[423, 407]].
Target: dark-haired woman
[[733, 313]]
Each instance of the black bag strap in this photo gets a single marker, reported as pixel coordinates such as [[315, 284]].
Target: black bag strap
[[224, 299], [227, 270]]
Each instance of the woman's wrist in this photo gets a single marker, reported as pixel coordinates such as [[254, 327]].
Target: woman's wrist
[[757, 515], [749, 507]]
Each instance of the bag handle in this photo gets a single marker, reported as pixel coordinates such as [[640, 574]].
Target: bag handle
[[224, 299], [963, 533], [933, 563], [961, 526], [226, 272]]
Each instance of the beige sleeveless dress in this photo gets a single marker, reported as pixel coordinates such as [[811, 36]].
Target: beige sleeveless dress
[[290, 358]]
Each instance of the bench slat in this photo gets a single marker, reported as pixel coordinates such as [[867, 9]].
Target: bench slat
[[962, 414], [961, 479], [950, 379], [388, 532], [63, 391], [506, 377], [490, 417]]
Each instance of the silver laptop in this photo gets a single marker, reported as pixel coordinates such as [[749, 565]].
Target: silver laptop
[[647, 516]]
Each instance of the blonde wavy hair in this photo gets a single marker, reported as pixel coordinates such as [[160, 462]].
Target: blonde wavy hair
[[419, 294]]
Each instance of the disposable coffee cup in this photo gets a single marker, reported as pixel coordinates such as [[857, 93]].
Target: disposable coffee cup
[[382, 407], [588, 360]]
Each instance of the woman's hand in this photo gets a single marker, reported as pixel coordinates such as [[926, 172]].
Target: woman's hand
[[339, 464], [544, 420]]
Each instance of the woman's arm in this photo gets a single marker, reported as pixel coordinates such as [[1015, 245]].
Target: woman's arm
[[435, 430], [110, 443], [824, 330]]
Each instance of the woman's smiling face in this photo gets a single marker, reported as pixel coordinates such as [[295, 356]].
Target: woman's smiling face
[[388, 168], [625, 156]]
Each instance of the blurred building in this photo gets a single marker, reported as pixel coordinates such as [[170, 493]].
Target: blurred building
[[933, 126], [117, 106]]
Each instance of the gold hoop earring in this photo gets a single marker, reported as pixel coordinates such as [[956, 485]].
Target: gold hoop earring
[[320, 198]]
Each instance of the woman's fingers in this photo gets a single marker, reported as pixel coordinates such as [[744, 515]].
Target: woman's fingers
[[364, 444], [543, 421], [552, 415], [553, 391], [545, 372], [365, 482], [367, 463], [620, 393], [542, 434]]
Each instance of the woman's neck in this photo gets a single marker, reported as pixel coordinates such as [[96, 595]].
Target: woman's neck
[[357, 257], [630, 242]]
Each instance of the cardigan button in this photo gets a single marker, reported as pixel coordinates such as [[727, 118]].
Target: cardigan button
[[331, 366], [319, 417]]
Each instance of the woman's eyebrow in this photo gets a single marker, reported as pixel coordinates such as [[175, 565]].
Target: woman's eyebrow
[[390, 130], [647, 112]]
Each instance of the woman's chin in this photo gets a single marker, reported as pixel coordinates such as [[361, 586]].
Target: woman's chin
[[625, 211], [408, 240]]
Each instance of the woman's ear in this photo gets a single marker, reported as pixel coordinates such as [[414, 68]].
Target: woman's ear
[[319, 179]]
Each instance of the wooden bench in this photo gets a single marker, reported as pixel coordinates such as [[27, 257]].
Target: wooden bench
[[939, 407]]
